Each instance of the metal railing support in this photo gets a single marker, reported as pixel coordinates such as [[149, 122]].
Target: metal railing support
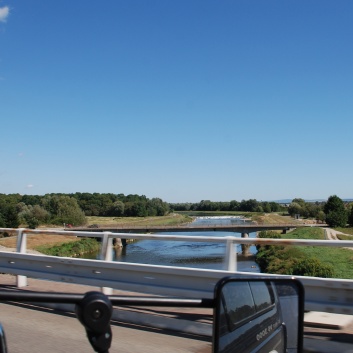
[[21, 248], [230, 256], [107, 255]]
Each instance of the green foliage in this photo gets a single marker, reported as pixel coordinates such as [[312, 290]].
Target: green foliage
[[251, 205], [312, 267], [306, 209], [63, 209], [336, 214], [2, 221], [33, 216], [32, 222], [295, 209], [269, 234], [71, 249], [350, 217], [117, 209], [120, 205], [11, 217], [8, 211], [291, 260]]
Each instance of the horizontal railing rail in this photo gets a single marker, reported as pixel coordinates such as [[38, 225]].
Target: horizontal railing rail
[[330, 295]]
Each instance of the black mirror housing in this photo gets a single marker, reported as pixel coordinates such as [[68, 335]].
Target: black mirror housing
[[258, 315]]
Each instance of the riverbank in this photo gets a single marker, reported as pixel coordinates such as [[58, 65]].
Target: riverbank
[[168, 220], [36, 241], [319, 261]]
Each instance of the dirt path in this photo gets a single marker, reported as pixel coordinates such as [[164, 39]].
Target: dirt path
[[331, 234]]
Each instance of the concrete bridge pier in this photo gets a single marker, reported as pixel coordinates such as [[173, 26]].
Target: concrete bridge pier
[[119, 242], [244, 247]]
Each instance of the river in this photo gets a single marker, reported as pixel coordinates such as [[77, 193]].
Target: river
[[187, 254]]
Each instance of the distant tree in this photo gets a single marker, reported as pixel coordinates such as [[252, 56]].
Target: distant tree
[[11, 217], [275, 207], [33, 216], [299, 201], [156, 207], [117, 209], [321, 216], [295, 208], [2, 221], [259, 209], [139, 209], [180, 206], [64, 209], [266, 207], [350, 216], [336, 214], [233, 205], [248, 205]]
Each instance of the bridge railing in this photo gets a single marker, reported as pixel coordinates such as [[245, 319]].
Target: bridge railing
[[230, 259], [331, 295]]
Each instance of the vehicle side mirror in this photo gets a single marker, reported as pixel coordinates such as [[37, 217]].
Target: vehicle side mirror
[[258, 315]]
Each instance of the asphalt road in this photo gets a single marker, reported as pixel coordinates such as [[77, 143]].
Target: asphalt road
[[40, 331]]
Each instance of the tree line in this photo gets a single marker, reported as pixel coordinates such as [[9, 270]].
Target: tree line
[[335, 212], [33, 210], [58, 208], [250, 205]]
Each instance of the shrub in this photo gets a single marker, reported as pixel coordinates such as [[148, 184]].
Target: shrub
[[313, 267]]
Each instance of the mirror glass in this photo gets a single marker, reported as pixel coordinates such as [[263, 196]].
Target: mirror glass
[[258, 315]]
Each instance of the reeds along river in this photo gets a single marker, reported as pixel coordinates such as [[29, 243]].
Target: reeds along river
[[186, 254]]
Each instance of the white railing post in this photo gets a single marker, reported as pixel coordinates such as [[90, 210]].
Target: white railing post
[[107, 255], [21, 248], [231, 256]]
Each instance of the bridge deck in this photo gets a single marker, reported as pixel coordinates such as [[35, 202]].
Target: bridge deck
[[239, 228]]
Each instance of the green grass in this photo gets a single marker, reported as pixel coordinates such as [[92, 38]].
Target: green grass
[[71, 249], [344, 237], [306, 233], [169, 220], [341, 259], [345, 230]]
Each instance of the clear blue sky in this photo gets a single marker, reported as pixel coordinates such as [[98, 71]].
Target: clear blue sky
[[185, 100]]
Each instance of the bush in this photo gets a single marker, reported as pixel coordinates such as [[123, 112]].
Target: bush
[[289, 260], [312, 267]]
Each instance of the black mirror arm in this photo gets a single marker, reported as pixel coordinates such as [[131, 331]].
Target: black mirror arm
[[94, 312], [3, 346], [285, 333], [100, 342]]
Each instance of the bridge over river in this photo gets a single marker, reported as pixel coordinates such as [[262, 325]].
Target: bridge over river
[[236, 228]]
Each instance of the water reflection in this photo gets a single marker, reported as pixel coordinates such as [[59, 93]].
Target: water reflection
[[187, 254]]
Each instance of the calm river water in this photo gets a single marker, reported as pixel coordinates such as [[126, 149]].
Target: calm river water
[[186, 254]]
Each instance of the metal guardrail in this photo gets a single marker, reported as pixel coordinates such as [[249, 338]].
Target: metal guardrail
[[330, 295]]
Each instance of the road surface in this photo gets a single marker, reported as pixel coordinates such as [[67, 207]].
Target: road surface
[[38, 331]]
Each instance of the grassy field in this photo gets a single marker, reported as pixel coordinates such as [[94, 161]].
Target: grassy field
[[346, 231], [272, 218], [341, 259], [36, 240], [70, 249], [169, 220]]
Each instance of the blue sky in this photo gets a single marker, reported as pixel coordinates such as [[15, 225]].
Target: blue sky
[[184, 100]]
